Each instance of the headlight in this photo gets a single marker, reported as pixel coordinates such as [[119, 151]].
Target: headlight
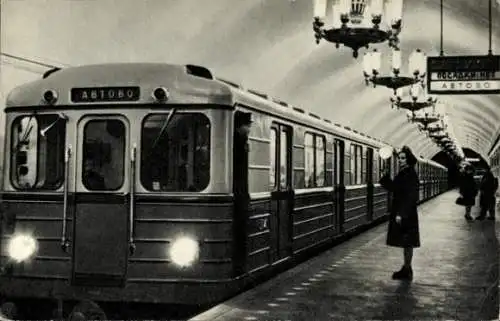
[[21, 247], [184, 251]]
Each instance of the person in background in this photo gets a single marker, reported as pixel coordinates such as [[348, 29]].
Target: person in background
[[92, 177], [487, 201], [468, 190], [403, 229]]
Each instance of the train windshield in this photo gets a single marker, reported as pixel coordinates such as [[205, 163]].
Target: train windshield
[[37, 146], [175, 153]]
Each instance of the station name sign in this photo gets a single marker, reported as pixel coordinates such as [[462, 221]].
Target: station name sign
[[463, 75], [105, 94]]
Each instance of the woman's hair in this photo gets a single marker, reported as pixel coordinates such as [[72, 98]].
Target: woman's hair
[[410, 157]]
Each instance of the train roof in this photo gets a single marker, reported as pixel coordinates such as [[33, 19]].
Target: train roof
[[186, 83]]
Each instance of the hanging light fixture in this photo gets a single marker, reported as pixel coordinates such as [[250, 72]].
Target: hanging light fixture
[[358, 23], [414, 104], [417, 65]]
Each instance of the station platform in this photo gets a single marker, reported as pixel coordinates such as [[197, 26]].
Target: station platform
[[455, 276]]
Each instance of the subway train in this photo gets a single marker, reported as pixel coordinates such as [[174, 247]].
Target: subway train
[[160, 183]]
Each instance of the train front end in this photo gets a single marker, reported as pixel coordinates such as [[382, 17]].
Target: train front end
[[115, 190]]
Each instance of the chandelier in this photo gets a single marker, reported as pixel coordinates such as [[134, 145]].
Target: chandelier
[[414, 104], [358, 23], [417, 65]]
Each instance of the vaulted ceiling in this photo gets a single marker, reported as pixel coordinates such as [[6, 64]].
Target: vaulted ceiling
[[266, 45]]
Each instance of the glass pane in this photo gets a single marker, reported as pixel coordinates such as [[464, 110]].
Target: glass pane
[[338, 160], [353, 165], [283, 160], [320, 161], [175, 156], [272, 156], [103, 154], [359, 162], [38, 144], [309, 160]]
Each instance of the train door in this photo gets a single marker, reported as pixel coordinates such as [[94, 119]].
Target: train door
[[242, 124], [101, 209], [339, 183], [282, 195]]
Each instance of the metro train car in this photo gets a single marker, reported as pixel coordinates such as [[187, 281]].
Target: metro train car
[[159, 183]]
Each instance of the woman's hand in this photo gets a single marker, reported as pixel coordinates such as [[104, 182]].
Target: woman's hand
[[398, 219]]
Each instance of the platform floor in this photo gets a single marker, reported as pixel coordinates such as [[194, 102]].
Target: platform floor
[[455, 276]]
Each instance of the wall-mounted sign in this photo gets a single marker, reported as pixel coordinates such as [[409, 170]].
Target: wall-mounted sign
[[105, 94], [463, 75]]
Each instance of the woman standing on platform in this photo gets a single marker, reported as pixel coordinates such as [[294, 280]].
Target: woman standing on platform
[[468, 190], [403, 230]]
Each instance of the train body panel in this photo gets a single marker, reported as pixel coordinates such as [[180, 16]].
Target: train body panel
[[125, 178]]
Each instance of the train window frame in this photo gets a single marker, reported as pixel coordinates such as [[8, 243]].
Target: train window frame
[[83, 145], [273, 158], [141, 152], [41, 140], [359, 164], [320, 154], [312, 180]]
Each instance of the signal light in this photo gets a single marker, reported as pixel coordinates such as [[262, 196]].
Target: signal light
[[160, 94], [50, 96]]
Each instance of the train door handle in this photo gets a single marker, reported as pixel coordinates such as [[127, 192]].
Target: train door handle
[[67, 157], [131, 244]]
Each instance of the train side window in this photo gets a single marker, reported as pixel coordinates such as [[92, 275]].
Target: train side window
[[175, 156], [284, 153], [353, 168], [359, 162], [103, 154], [38, 143], [320, 161], [309, 160], [347, 164], [272, 154]]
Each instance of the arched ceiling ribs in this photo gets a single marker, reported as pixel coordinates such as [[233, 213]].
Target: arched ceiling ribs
[[413, 138], [404, 133], [384, 120], [395, 128], [473, 122], [475, 140], [484, 104], [465, 128], [475, 118]]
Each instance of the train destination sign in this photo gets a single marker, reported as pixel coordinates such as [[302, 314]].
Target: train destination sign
[[105, 94], [461, 75]]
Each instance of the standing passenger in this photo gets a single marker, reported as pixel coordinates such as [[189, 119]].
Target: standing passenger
[[487, 201], [468, 190], [403, 230]]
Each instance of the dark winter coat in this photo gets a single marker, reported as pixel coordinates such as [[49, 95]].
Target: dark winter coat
[[468, 189], [488, 188], [405, 188]]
